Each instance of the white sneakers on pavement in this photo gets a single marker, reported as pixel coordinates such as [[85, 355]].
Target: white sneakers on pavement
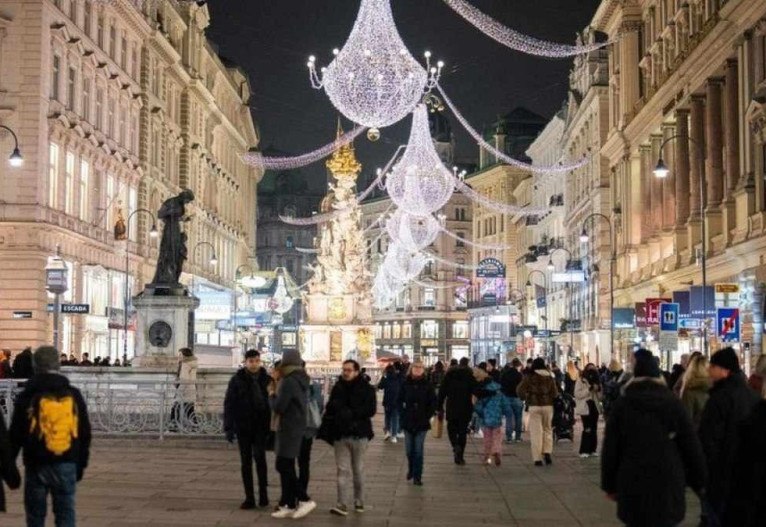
[[304, 508], [283, 512]]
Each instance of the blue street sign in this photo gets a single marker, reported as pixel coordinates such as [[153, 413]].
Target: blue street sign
[[669, 317], [727, 324]]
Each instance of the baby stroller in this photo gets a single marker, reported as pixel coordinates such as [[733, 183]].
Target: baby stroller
[[563, 417]]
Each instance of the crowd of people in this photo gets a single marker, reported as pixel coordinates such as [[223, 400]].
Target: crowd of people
[[20, 367], [699, 426]]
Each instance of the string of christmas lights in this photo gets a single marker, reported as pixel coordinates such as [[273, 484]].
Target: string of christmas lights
[[491, 246], [307, 250], [497, 206], [515, 40], [257, 159], [436, 258], [315, 219], [561, 167]]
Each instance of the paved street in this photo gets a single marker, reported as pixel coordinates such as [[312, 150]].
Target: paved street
[[186, 482]]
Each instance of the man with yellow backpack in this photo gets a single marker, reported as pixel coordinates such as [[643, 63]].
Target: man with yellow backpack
[[50, 423]]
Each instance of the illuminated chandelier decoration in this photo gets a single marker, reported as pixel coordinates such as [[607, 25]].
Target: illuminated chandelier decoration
[[385, 289], [373, 80], [419, 183], [515, 40], [402, 263], [412, 232]]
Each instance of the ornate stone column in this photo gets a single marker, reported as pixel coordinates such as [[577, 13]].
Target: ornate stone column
[[645, 152], [669, 203], [656, 184], [714, 167], [683, 198], [697, 170], [731, 138]]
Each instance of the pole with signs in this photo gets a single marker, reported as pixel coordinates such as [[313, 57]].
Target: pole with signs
[[56, 283]]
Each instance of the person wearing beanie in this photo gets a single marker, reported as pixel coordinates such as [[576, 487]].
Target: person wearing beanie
[[730, 402], [538, 389], [651, 452], [288, 401], [55, 455]]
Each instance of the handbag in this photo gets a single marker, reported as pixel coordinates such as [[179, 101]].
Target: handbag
[[439, 428]]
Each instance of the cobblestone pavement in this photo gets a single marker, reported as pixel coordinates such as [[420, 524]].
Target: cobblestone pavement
[[188, 482]]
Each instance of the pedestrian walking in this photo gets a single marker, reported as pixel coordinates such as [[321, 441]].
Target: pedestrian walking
[[182, 414], [651, 451], [391, 384], [588, 399], [347, 426], [22, 365], [509, 382], [491, 405], [539, 391], [677, 375], [314, 407], [570, 377], [8, 471], [437, 374], [695, 385], [418, 398], [611, 385], [6, 370], [730, 402], [288, 402], [756, 379], [50, 424], [457, 392], [247, 418]]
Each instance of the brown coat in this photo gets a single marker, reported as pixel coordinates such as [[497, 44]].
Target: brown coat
[[538, 388]]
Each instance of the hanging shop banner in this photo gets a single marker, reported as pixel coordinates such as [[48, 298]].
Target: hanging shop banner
[[653, 310], [490, 268], [726, 295], [727, 324], [702, 299], [669, 317], [684, 306], [640, 311], [727, 289], [624, 318]]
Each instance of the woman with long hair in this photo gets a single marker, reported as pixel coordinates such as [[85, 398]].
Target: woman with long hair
[[419, 404], [588, 397], [570, 378], [695, 385]]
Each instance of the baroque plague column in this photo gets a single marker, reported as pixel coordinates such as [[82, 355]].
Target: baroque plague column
[[338, 322]]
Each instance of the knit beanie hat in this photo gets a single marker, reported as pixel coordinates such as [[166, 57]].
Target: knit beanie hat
[[45, 359], [646, 364], [291, 357], [538, 364], [726, 359]]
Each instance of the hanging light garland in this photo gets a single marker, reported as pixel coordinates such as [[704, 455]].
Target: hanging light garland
[[561, 167], [412, 232], [373, 80], [470, 243], [402, 263], [419, 183], [515, 40], [257, 159], [497, 206], [437, 258]]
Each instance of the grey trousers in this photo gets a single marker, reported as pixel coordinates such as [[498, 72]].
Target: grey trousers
[[349, 460]]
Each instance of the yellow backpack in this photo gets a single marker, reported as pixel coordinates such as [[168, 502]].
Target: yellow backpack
[[54, 421]]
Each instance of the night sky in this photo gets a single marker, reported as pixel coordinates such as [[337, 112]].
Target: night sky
[[272, 39]]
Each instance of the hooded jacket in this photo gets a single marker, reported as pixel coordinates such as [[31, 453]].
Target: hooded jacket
[[391, 384], [349, 412], [651, 453], [289, 405], [246, 408], [457, 390], [418, 402], [493, 406], [35, 452], [538, 388]]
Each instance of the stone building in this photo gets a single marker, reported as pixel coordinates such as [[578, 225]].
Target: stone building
[[117, 108]]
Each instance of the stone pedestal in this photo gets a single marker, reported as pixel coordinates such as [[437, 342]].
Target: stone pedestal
[[165, 325]]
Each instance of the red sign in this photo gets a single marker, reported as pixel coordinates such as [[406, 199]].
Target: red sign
[[640, 310], [653, 310]]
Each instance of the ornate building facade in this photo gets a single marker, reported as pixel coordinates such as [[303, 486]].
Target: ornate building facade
[[116, 108]]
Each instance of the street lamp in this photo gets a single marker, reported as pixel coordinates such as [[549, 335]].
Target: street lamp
[[545, 287], [56, 281], [584, 238], [552, 267], [15, 160], [661, 171], [252, 281], [153, 233]]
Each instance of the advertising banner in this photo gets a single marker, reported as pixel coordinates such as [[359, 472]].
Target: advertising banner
[[653, 310], [624, 318], [702, 299], [682, 298]]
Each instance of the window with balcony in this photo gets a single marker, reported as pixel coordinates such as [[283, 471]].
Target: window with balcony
[[429, 297], [460, 329]]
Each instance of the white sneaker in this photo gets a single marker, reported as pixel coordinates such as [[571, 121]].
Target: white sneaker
[[387, 437], [394, 440], [479, 434], [304, 508], [584, 456], [594, 454], [283, 512], [489, 461], [400, 435]]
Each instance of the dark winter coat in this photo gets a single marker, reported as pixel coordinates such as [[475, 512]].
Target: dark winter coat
[[747, 494], [651, 453], [729, 404], [8, 471], [391, 384], [694, 396], [457, 389], [289, 407], [246, 405], [35, 452], [493, 405], [349, 411], [22, 365], [538, 388], [418, 402], [509, 381]]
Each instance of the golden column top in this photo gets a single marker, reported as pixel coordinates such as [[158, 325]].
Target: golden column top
[[343, 160]]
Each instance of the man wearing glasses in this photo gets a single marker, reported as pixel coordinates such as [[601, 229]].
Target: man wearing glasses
[[246, 416], [347, 425]]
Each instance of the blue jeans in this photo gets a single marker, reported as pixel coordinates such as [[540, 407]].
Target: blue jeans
[[60, 480], [392, 420], [414, 444], [514, 417]]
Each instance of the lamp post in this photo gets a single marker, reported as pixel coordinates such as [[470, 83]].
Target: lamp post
[[56, 282], [661, 171], [254, 281], [153, 234], [552, 267], [545, 287], [213, 257], [613, 257], [15, 159]]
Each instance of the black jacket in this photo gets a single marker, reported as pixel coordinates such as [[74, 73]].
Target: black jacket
[[457, 388], [509, 381], [418, 401], [35, 452], [22, 365], [349, 411], [729, 404], [391, 384], [8, 471], [246, 405], [651, 453], [747, 494]]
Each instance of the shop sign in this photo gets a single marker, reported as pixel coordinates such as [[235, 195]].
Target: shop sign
[[653, 310], [490, 268], [573, 276], [22, 314], [669, 317], [116, 318], [428, 342], [640, 311], [623, 318], [727, 289], [684, 308], [727, 324], [702, 299], [213, 305], [75, 309]]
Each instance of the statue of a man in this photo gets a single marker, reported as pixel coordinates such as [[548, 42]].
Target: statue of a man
[[173, 250]]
